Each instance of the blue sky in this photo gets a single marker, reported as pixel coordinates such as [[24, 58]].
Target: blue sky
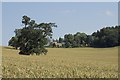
[[59, 0], [70, 17], [0, 23]]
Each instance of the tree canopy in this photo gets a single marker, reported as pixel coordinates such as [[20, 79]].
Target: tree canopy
[[32, 37], [105, 37]]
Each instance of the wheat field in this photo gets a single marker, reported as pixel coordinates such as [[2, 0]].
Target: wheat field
[[61, 63]]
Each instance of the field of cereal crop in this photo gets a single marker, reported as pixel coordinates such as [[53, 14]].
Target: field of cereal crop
[[61, 63]]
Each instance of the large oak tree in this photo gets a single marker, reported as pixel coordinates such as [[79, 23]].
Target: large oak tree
[[32, 37]]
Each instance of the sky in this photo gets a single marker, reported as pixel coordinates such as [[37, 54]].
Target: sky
[[0, 23], [59, 0], [71, 17]]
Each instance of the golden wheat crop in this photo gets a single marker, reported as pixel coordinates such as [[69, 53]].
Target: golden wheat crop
[[61, 63]]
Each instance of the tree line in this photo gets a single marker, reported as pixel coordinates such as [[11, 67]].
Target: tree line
[[105, 37]]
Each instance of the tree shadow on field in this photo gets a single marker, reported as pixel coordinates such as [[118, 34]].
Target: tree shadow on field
[[8, 47]]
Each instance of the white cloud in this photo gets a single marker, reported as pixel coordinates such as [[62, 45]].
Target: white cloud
[[108, 13]]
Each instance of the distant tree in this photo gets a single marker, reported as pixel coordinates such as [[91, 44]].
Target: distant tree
[[106, 37], [61, 40], [75, 44], [89, 40], [68, 39], [68, 45], [80, 39], [118, 28]]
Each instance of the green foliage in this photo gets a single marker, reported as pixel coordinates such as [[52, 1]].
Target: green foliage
[[106, 37], [68, 38], [33, 37], [13, 42], [76, 40], [25, 20], [61, 40]]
